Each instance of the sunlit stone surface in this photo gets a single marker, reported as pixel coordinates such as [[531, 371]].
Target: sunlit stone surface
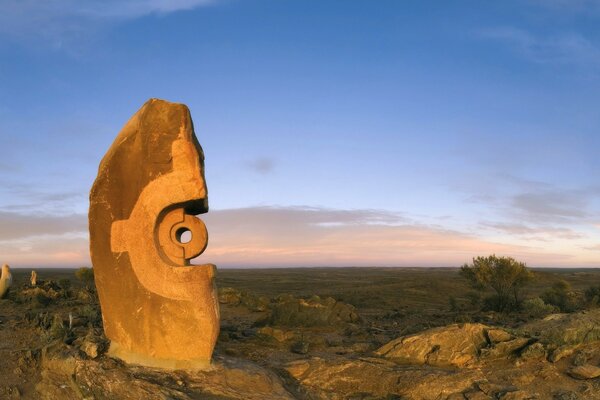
[[156, 308], [5, 280]]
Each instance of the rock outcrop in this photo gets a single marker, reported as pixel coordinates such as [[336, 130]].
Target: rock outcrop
[[377, 378], [67, 376], [455, 345], [290, 311], [566, 329]]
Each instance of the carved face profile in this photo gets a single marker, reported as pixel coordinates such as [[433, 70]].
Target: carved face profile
[[157, 309]]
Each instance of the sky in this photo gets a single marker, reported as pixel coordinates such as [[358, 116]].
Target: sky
[[336, 133]]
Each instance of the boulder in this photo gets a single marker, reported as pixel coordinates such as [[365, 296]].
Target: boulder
[[586, 371], [506, 349], [290, 311], [561, 352], [566, 329], [230, 296], [278, 334], [453, 345], [67, 376], [534, 351], [344, 378], [495, 336]]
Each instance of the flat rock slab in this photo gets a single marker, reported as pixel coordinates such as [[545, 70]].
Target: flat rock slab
[[66, 376], [586, 371], [453, 345], [344, 378]]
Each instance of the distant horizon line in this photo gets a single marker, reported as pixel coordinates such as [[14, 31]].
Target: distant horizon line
[[325, 267]]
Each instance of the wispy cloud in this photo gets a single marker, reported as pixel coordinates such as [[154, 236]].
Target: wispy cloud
[[301, 236], [287, 236], [593, 248], [562, 48], [551, 205], [261, 165], [60, 19], [533, 232], [19, 225]]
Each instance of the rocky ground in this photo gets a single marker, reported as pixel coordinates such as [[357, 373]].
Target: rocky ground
[[282, 343]]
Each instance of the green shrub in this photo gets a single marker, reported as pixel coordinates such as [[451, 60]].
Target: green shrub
[[86, 276], [561, 296], [592, 296], [536, 307], [505, 275], [64, 283]]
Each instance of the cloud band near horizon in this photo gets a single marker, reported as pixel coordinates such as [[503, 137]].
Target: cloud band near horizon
[[293, 237]]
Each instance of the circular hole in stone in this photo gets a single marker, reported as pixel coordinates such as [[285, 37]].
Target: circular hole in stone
[[183, 235]]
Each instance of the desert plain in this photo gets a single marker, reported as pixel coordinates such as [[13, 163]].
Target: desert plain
[[315, 333]]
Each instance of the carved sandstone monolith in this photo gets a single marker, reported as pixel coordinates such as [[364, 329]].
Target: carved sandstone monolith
[[5, 280], [157, 309], [33, 278]]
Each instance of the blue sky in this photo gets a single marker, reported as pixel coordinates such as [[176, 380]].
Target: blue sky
[[335, 133]]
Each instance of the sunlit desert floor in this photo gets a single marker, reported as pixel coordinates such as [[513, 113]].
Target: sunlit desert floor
[[314, 333]]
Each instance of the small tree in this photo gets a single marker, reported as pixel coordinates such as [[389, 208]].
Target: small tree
[[505, 275], [592, 296], [86, 276], [561, 295]]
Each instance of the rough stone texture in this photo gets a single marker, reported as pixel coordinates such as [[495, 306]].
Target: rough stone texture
[[533, 351], [506, 349], [586, 371], [156, 309], [5, 280], [290, 311], [278, 334], [561, 352], [566, 329], [498, 336], [453, 345], [66, 376], [33, 279], [378, 378]]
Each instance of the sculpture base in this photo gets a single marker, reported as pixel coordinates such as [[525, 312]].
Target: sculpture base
[[129, 357]]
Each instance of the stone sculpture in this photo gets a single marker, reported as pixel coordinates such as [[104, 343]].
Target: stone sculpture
[[33, 278], [5, 280], [157, 309]]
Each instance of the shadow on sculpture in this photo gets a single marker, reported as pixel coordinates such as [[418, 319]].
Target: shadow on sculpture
[[157, 309]]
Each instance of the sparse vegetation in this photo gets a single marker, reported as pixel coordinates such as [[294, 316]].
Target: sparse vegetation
[[306, 312], [505, 275], [86, 276], [537, 308], [561, 296], [592, 296]]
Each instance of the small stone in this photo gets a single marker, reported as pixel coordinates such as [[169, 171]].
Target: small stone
[[580, 358], [586, 371], [476, 396], [518, 395], [498, 336], [278, 334], [565, 395], [533, 352], [300, 348], [561, 352]]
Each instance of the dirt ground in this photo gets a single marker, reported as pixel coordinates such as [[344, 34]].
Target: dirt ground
[[377, 305]]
